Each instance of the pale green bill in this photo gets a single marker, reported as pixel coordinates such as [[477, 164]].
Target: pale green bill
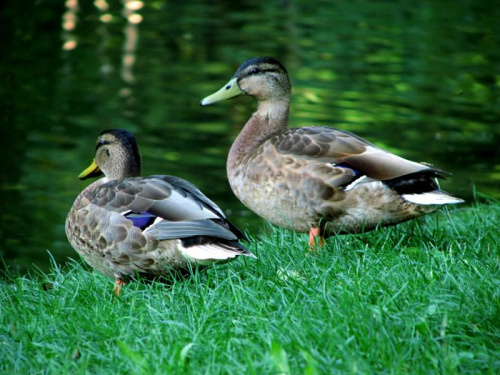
[[230, 90]]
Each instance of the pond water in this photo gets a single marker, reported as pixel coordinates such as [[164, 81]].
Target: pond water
[[422, 81]]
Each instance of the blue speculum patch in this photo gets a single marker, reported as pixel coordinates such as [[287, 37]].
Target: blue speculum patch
[[141, 220], [344, 165]]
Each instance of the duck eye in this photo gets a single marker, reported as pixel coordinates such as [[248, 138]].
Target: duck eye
[[100, 143], [255, 71], [107, 152]]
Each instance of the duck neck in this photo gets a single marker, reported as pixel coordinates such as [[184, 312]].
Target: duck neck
[[270, 118]]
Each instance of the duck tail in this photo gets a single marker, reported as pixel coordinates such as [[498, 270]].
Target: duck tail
[[423, 188], [437, 197], [205, 250]]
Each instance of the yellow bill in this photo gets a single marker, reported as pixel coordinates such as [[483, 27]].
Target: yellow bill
[[92, 170], [229, 90]]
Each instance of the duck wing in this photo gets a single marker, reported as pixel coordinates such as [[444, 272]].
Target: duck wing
[[156, 196], [344, 149], [165, 207], [195, 193]]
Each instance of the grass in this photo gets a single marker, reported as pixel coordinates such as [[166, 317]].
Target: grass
[[422, 297]]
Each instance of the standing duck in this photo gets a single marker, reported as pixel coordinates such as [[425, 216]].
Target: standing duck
[[124, 225], [318, 179]]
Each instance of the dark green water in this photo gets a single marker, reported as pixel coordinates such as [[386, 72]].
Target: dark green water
[[419, 78]]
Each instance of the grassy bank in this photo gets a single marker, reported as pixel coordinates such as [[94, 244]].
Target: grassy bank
[[423, 297]]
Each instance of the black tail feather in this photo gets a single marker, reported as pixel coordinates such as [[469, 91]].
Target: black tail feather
[[416, 183]]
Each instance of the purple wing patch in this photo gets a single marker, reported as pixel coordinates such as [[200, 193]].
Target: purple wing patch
[[141, 220]]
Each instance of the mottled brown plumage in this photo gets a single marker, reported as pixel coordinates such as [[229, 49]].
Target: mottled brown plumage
[[124, 225], [318, 177]]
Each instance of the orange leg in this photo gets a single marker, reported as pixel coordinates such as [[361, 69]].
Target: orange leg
[[314, 234], [118, 285]]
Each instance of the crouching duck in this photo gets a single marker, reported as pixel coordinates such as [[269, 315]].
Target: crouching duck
[[125, 226], [318, 179]]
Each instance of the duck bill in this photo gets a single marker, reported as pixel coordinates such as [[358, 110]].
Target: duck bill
[[229, 90], [91, 171]]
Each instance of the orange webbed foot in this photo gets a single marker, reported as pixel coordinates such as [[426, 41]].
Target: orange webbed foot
[[315, 239], [118, 286]]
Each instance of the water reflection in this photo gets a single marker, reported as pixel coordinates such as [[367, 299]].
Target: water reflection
[[131, 33], [422, 81], [69, 21]]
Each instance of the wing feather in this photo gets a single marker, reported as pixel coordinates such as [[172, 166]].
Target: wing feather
[[167, 230], [338, 147], [170, 199]]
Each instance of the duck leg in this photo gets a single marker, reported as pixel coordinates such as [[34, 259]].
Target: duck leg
[[315, 239], [118, 285]]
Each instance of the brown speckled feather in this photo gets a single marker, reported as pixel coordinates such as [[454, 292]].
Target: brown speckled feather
[[156, 196], [340, 147]]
